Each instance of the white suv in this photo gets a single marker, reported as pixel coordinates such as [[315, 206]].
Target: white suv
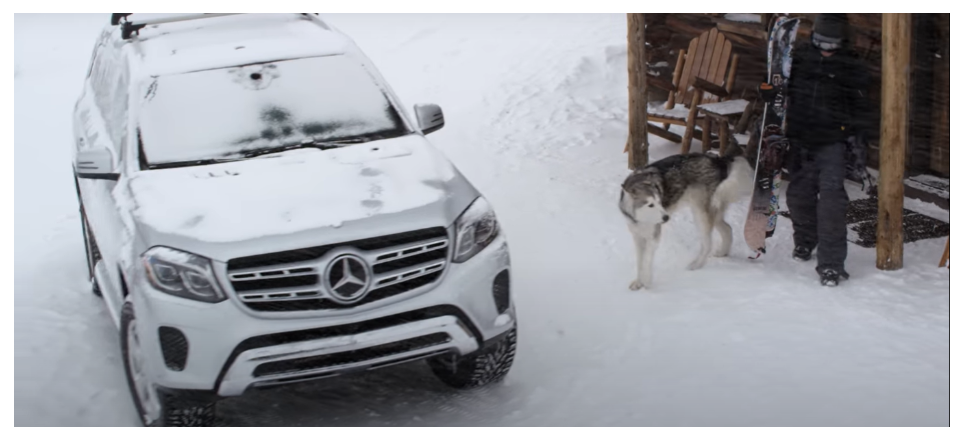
[[259, 209]]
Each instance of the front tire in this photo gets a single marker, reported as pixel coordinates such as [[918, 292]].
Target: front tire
[[156, 407], [489, 365]]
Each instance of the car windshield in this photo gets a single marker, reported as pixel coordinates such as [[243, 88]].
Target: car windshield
[[221, 114]]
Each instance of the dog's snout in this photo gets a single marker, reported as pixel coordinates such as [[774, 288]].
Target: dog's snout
[[666, 218]]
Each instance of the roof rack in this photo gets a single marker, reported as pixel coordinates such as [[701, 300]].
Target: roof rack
[[115, 18], [131, 27]]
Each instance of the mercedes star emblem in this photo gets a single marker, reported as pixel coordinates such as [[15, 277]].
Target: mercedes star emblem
[[347, 278]]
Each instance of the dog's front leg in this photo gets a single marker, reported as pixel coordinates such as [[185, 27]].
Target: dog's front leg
[[647, 275], [640, 254], [645, 244]]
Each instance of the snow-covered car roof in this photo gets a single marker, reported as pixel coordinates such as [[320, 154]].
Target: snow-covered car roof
[[234, 40]]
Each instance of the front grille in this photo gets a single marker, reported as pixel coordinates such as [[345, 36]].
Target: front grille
[[349, 357], [314, 304], [294, 280], [173, 345]]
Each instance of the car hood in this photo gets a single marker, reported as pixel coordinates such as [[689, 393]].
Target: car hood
[[299, 198]]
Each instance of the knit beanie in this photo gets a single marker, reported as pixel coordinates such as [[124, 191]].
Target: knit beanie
[[829, 31]]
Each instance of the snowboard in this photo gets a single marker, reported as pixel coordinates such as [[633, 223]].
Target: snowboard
[[762, 211]]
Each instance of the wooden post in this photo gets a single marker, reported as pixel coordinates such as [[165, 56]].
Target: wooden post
[[637, 93], [895, 67]]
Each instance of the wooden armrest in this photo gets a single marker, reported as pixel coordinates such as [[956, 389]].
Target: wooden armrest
[[660, 83], [709, 87]]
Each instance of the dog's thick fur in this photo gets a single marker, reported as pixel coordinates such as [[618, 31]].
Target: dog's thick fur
[[708, 184]]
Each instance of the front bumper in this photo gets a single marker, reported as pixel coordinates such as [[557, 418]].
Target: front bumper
[[231, 348], [314, 359]]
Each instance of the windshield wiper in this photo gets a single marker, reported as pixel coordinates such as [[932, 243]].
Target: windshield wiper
[[197, 162], [301, 145], [354, 140]]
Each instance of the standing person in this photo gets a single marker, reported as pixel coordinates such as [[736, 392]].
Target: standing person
[[826, 108]]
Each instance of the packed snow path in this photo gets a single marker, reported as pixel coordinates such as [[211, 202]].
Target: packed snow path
[[536, 111]]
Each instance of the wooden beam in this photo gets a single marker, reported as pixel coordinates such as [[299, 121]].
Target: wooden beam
[[663, 133], [661, 83], [895, 64], [690, 28], [637, 93], [752, 30]]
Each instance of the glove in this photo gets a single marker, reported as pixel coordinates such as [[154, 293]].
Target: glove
[[857, 158], [858, 140], [766, 92]]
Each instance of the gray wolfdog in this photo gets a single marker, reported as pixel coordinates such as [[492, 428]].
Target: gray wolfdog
[[708, 184]]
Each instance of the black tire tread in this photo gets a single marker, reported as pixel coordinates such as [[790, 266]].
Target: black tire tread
[[488, 366]]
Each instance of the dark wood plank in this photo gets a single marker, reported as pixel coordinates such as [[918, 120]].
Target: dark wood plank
[[752, 30], [660, 83], [666, 134]]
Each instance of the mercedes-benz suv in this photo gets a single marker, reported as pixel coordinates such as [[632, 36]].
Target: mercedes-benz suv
[[259, 209]]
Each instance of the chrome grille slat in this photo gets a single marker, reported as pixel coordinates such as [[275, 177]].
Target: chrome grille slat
[[408, 251], [406, 274], [286, 278], [280, 295], [262, 274]]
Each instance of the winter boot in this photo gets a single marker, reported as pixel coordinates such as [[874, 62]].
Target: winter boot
[[831, 277], [801, 253]]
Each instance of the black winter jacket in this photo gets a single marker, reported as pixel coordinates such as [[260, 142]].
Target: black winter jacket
[[827, 97]]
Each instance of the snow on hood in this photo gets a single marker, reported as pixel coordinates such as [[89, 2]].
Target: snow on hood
[[293, 191]]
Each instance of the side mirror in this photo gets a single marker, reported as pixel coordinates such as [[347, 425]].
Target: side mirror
[[96, 164], [429, 117]]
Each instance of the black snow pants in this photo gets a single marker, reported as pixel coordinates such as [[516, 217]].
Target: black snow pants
[[818, 202]]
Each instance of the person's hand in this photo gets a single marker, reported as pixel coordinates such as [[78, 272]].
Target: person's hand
[[857, 139]]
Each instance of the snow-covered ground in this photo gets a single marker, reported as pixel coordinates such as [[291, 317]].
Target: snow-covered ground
[[536, 111]]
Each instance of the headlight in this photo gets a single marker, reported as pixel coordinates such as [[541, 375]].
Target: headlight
[[475, 229], [182, 274]]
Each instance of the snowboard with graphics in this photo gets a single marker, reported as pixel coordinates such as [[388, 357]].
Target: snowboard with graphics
[[762, 211]]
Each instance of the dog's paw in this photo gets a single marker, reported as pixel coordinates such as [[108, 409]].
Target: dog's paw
[[696, 265], [721, 253], [636, 285]]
